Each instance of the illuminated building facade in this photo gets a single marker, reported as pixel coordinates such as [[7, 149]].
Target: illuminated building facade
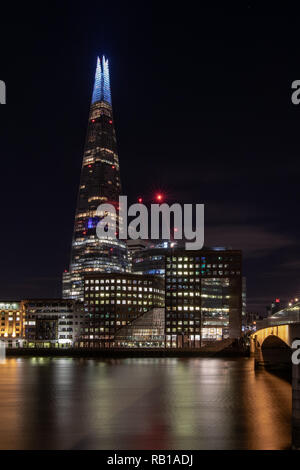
[[12, 323], [112, 301], [203, 296], [99, 183], [51, 323]]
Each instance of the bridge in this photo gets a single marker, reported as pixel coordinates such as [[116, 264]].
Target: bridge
[[271, 345]]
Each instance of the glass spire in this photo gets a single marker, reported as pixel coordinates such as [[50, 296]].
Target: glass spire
[[101, 90]]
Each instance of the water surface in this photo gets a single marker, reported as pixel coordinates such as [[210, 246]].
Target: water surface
[[142, 403]]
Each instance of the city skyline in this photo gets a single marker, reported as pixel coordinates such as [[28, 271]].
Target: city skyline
[[149, 274], [236, 175]]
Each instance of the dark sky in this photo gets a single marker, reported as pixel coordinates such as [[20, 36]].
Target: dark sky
[[203, 111]]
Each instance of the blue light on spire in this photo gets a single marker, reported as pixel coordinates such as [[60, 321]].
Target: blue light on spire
[[97, 84], [101, 90], [106, 82]]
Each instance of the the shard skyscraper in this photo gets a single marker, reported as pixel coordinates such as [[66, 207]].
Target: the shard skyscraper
[[99, 183]]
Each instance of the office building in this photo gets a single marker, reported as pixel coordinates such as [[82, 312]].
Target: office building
[[112, 301], [203, 296]]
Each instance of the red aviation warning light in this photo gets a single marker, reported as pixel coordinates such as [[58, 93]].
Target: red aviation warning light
[[277, 301], [159, 197], [140, 200]]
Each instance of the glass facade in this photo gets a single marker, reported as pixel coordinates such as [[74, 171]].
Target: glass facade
[[99, 183], [203, 297], [149, 261], [147, 331], [215, 302]]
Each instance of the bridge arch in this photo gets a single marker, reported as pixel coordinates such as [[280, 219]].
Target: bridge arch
[[275, 350], [273, 342], [271, 345], [281, 331]]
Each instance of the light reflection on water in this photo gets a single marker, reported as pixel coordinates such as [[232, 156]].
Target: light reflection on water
[[142, 403]]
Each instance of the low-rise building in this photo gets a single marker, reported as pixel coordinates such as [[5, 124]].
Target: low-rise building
[[51, 322], [11, 323]]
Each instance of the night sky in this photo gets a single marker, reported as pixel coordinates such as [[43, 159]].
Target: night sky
[[203, 111]]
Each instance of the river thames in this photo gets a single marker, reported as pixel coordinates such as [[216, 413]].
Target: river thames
[[142, 403]]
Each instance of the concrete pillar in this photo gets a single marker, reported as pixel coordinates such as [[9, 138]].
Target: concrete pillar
[[255, 351], [296, 406], [258, 359], [252, 346]]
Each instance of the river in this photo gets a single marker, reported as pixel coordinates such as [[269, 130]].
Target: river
[[142, 403]]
